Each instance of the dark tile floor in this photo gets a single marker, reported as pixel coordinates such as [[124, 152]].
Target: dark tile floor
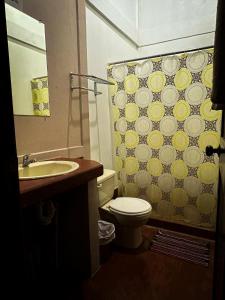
[[146, 275]]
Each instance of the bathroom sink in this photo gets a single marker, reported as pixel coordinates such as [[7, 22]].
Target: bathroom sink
[[44, 169]]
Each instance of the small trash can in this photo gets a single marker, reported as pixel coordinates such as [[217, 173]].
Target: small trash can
[[106, 233]]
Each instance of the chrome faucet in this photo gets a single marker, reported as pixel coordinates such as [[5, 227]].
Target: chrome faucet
[[27, 161]]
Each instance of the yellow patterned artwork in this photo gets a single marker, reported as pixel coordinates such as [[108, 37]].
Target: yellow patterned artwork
[[163, 121], [40, 96]]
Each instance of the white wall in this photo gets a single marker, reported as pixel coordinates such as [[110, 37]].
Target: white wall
[[123, 14], [171, 19], [104, 44], [175, 25], [148, 21], [198, 41]]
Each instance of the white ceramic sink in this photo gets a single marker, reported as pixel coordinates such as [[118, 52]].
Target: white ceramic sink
[[44, 169]]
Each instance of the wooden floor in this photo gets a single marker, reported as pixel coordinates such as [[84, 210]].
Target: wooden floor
[[145, 275]]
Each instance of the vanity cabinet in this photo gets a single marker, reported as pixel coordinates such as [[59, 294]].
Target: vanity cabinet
[[67, 247]]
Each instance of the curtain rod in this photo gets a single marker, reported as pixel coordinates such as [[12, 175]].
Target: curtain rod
[[165, 54]]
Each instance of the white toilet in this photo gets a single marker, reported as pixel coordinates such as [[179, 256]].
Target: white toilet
[[128, 214]]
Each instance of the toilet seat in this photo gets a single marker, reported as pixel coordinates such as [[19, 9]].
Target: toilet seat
[[130, 206]]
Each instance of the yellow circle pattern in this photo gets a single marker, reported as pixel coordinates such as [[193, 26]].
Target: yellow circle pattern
[[115, 113], [209, 138], [153, 193], [179, 169], [154, 167], [181, 110], [182, 79], [131, 139], [131, 190], [180, 140], [113, 88], [131, 165], [156, 59], [207, 113], [179, 197], [131, 64], [156, 81], [117, 139], [207, 75], [208, 173], [211, 50], [131, 84], [156, 111], [206, 203], [155, 139], [118, 163], [131, 112]]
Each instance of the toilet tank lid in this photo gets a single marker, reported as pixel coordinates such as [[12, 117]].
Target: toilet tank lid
[[106, 175]]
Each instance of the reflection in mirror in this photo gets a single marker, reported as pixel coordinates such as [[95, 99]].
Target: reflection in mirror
[[28, 65]]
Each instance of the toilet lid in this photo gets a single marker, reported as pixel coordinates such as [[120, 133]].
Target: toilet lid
[[129, 205]]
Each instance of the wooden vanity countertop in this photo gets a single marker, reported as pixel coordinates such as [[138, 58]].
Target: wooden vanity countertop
[[34, 190]]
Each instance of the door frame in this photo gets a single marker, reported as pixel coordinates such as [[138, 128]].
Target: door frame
[[12, 258]]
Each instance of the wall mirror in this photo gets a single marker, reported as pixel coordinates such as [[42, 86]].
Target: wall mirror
[[28, 63]]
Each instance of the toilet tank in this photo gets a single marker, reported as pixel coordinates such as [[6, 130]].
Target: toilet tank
[[106, 185]]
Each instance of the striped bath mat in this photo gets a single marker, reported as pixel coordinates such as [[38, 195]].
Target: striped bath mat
[[174, 244]]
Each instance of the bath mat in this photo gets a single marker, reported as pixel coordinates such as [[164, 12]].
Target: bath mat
[[182, 247]]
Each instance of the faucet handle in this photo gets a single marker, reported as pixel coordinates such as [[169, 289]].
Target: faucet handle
[[26, 156], [27, 161]]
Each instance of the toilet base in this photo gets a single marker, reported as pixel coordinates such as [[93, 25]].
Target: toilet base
[[129, 237], [126, 236]]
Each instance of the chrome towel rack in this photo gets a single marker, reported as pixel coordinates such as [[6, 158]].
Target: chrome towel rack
[[97, 80]]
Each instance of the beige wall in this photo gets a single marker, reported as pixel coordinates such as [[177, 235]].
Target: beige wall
[[66, 131]]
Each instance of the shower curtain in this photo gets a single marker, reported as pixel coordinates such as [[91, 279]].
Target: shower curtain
[[163, 121]]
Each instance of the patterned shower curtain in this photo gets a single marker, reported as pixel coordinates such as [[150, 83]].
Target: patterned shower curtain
[[162, 124]]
